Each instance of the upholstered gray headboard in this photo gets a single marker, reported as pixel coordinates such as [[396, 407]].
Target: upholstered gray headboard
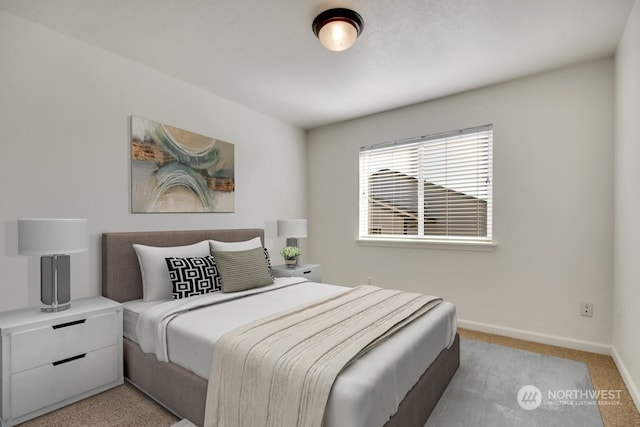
[[121, 278]]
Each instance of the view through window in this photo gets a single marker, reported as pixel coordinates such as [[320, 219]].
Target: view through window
[[435, 187]]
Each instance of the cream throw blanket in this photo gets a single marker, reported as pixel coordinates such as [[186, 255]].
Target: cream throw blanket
[[279, 371]]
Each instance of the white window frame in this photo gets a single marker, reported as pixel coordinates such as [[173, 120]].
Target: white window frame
[[417, 168]]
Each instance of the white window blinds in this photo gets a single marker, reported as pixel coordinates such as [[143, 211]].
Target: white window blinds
[[435, 187]]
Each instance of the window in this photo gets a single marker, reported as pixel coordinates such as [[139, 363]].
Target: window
[[430, 188]]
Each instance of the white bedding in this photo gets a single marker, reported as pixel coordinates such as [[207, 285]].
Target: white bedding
[[365, 394], [132, 310]]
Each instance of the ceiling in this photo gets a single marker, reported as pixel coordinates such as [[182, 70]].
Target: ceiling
[[262, 53]]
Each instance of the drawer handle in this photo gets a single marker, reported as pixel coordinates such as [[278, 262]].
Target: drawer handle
[[64, 325], [69, 359], [306, 272]]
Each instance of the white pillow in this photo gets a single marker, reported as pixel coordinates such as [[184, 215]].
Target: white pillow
[[156, 284], [217, 246]]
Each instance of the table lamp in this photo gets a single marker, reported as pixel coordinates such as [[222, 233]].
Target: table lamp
[[53, 240], [292, 229]]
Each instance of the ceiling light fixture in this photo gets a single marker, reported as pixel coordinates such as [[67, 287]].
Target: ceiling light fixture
[[338, 28]]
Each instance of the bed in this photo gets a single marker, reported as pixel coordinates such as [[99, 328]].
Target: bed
[[184, 392]]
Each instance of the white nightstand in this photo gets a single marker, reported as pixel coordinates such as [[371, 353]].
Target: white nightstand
[[312, 272], [50, 360]]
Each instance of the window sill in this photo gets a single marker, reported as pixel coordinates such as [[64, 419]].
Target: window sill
[[431, 244]]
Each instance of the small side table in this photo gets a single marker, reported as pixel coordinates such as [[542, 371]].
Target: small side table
[[49, 360], [312, 272]]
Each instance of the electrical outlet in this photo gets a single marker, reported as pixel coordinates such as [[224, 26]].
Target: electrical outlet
[[586, 309]]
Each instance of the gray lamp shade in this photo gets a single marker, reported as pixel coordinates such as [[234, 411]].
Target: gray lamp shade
[[292, 228], [44, 236]]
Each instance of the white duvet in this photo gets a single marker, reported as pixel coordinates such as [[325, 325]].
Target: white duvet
[[365, 394]]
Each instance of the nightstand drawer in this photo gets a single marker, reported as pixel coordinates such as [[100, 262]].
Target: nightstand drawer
[[312, 272], [52, 383], [37, 347]]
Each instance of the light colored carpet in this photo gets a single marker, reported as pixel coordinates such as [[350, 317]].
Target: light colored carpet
[[485, 390], [604, 374], [122, 406]]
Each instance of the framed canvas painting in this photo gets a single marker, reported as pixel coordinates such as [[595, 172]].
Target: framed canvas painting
[[175, 170]]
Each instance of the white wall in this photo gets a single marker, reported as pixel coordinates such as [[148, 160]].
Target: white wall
[[553, 214], [64, 121], [626, 294]]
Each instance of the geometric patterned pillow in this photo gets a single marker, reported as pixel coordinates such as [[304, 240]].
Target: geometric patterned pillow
[[193, 276]]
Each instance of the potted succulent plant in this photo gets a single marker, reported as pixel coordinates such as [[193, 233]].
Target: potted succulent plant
[[290, 255]]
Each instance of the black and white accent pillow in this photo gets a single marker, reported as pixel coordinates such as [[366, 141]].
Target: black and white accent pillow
[[193, 276], [266, 255]]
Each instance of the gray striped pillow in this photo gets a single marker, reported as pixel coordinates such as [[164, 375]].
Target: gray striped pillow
[[242, 270]]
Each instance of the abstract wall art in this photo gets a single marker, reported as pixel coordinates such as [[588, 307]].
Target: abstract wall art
[[174, 170]]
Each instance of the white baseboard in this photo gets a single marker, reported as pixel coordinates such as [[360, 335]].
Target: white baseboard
[[559, 341], [626, 377]]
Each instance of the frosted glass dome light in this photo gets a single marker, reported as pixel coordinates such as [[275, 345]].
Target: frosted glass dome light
[[338, 29]]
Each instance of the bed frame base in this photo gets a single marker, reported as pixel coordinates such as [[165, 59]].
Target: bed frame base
[[184, 393], [180, 391], [420, 401]]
